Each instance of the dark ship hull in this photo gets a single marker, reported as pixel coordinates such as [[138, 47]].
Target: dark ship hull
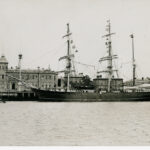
[[45, 95]]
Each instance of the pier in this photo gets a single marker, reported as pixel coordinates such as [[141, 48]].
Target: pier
[[20, 96]]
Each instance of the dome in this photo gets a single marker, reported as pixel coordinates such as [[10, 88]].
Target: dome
[[3, 59]]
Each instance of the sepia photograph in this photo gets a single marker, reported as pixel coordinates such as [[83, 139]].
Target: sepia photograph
[[74, 73]]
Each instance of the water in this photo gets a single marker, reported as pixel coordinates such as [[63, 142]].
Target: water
[[50, 124]]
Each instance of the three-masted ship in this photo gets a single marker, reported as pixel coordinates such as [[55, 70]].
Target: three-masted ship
[[106, 89]]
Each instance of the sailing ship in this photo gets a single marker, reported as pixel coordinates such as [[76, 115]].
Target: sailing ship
[[109, 92]]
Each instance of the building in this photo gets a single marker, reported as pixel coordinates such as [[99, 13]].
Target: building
[[40, 78], [102, 84], [73, 79], [43, 79], [138, 82], [3, 69]]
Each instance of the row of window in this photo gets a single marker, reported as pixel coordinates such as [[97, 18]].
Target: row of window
[[45, 86], [3, 67], [113, 83], [27, 77]]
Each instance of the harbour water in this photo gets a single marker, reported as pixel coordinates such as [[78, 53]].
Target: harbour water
[[74, 123]]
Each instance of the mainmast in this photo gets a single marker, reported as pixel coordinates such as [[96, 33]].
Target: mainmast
[[109, 58], [133, 59]]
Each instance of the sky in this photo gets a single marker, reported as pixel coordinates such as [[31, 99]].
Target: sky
[[35, 29]]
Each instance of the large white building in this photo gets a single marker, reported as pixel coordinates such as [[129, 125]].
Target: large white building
[[41, 78]]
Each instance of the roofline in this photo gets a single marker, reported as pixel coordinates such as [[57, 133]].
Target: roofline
[[30, 71], [107, 79]]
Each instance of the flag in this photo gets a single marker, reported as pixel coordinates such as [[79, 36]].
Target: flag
[[131, 36]]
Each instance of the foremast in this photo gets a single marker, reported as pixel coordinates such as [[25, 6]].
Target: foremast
[[109, 58], [68, 57]]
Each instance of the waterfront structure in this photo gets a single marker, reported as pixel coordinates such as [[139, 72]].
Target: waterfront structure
[[137, 82], [40, 78], [43, 79], [62, 82], [3, 70], [77, 79], [101, 84]]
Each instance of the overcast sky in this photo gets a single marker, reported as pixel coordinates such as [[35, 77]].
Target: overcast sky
[[35, 29]]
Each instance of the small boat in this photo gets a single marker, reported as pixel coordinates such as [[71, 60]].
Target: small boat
[[97, 95]]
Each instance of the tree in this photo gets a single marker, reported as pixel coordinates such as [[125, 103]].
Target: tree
[[85, 83]]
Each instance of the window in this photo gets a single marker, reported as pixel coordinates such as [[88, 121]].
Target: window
[[2, 76], [13, 86], [27, 77], [59, 82]]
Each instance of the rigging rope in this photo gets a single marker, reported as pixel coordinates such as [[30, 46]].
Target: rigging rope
[[45, 54], [85, 64]]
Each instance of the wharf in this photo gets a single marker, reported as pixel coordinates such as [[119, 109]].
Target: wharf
[[18, 96]]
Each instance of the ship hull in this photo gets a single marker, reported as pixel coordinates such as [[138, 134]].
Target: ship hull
[[45, 95]]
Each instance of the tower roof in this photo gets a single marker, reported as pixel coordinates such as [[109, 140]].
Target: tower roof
[[3, 59]]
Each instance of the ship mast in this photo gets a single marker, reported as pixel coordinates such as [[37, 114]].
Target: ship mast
[[133, 59], [109, 58], [68, 57], [68, 66]]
